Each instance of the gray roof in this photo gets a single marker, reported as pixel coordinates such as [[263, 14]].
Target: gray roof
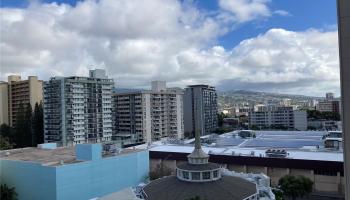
[[49, 157], [228, 187], [201, 167]]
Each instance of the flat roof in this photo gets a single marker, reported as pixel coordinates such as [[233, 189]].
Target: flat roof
[[50, 157], [305, 145], [237, 151]]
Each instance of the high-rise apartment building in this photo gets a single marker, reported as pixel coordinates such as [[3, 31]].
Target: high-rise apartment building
[[279, 117], [78, 109], [17, 92], [149, 115], [200, 109]]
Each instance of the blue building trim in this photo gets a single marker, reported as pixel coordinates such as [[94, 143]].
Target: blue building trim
[[79, 181]]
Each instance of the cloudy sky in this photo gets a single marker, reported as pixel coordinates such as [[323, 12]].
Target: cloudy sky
[[286, 46]]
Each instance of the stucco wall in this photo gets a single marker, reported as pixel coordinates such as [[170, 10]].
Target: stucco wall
[[31, 180], [84, 180]]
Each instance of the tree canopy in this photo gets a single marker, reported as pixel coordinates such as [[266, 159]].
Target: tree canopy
[[315, 114], [7, 193], [295, 186], [28, 130]]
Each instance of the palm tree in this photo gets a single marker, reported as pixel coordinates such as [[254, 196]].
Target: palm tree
[[7, 193]]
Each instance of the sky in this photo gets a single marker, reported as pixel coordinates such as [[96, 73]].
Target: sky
[[284, 46]]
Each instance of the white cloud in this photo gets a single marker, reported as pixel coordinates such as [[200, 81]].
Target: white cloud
[[136, 41], [245, 10], [282, 13], [306, 60]]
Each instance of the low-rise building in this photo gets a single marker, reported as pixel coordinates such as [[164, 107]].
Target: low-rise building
[[279, 117], [230, 122], [330, 104], [83, 172], [304, 154], [319, 124], [200, 178]]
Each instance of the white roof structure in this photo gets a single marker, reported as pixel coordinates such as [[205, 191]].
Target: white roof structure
[[305, 145]]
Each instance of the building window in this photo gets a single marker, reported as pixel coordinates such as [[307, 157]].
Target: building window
[[185, 175], [206, 175], [196, 175], [215, 174]]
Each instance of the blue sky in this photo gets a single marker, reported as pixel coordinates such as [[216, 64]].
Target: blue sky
[[304, 14], [287, 46]]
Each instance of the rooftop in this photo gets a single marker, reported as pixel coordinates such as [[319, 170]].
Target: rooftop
[[228, 187], [50, 157], [305, 145]]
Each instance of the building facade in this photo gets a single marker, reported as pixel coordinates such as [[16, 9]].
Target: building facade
[[16, 94], [328, 106], [149, 115], [78, 109], [279, 117], [83, 172], [4, 99], [200, 109], [329, 96]]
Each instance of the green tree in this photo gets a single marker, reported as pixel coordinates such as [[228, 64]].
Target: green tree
[[28, 135], [222, 130], [315, 114], [295, 186], [7, 133], [5, 143], [221, 117], [37, 125], [278, 194], [6, 130], [7, 193], [23, 126]]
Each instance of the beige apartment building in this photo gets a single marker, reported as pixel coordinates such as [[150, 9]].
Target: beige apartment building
[[15, 92], [149, 115]]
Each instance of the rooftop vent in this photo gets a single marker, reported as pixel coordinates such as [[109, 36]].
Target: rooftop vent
[[276, 153]]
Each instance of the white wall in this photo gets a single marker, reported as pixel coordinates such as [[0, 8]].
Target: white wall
[[300, 120]]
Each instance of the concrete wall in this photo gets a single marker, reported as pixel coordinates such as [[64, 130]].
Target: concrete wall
[[300, 120], [31, 180], [180, 116], [147, 118], [344, 52], [188, 114], [35, 90], [78, 181], [4, 115]]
